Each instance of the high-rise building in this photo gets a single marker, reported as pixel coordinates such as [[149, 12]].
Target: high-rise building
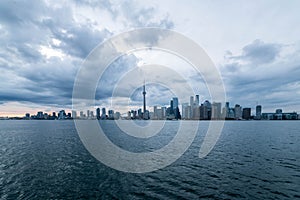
[[140, 114], [206, 110], [258, 112], [171, 106], [191, 100], [98, 113], [81, 114], [163, 112], [184, 109], [192, 105], [246, 113], [227, 109], [103, 115], [197, 100], [216, 110], [110, 114], [175, 102], [237, 111], [155, 115]]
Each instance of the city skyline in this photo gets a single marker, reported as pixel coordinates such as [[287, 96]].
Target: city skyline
[[194, 110]]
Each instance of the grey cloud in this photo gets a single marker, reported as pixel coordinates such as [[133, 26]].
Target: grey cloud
[[269, 84], [259, 52], [112, 75], [154, 95], [143, 17], [26, 26]]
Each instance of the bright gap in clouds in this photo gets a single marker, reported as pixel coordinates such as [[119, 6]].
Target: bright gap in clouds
[[49, 52]]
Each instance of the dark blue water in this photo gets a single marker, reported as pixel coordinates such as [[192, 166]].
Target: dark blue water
[[252, 160]]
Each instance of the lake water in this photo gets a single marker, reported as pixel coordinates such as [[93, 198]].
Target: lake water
[[252, 160]]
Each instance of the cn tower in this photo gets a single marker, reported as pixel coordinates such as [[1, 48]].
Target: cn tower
[[144, 94]]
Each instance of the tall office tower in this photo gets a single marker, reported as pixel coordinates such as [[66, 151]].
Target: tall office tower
[[144, 95], [226, 115], [237, 111], [184, 109], [207, 110], [81, 114], [258, 112], [192, 101], [163, 112], [197, 100], [171, 106], [189, 112], [103, 116], [216, 110], [175, 102], [155, 115], [140, 113], [192, 105], [98, 113]]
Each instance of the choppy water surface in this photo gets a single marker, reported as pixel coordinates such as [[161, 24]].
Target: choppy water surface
[[253, 160]]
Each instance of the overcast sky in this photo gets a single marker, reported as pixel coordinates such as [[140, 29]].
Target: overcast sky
[[254, 44]]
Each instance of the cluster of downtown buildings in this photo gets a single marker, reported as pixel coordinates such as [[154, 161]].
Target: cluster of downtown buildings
[[194, 110], [189, 111]]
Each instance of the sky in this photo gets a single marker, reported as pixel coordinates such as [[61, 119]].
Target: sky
[[255, 46]]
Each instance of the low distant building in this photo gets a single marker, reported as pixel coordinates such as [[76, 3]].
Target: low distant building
[[27, 116], [40, 115], [117, 116], [279, 115]]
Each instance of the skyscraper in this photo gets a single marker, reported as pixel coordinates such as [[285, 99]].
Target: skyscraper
[[191, 101], [197, 100], [103, 116], [237, 111], [175, 102], [216, 110], [98, 113], [258, 112], [192, 105], [246, 113]]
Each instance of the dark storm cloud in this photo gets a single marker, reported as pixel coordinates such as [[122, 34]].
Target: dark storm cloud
[[30, 75]]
